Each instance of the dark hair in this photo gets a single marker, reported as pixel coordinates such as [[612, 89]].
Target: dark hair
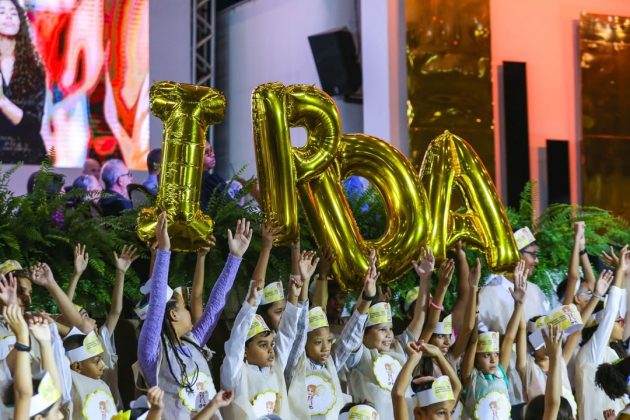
[[154, 158], [29, 75], [588, 332], [612, 378], [535, 409], [73, 342], [561, 289], [349, 406], [264, 334], [425, 385], [9, 399], [263, 312], [169, 338]]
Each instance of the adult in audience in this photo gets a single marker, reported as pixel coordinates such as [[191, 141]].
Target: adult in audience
[[154, 159], [91, 167], [53, 181], [90, 185], [115, 176]]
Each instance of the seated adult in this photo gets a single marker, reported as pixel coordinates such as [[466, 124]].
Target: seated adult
[[115, 177], [90, 185], [52, 181], [91, 167], [154, 159]]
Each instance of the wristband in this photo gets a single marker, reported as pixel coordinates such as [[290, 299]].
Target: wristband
[[438, 307], [582, 252], [368, 298], [600, 297], [22, 347]]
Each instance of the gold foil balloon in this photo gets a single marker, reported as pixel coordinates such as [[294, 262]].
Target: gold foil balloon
[[333, 224], [186, 112], [451, 163]]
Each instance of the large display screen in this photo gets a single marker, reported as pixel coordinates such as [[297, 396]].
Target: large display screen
[[79, 83]]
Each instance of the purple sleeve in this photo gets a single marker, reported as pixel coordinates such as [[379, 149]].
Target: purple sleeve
[[149, 340], [216, 302]]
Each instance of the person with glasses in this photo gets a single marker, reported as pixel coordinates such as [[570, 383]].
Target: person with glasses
[[116, 177], [496, 306]]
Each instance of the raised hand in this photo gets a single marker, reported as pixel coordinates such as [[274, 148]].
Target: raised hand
[[202, 252], [624, 260], [295, 285], [427, 263], [42, 275], [372, 274], [520, 282], [384, 294], [580, 229], [239, 242], [475, 274], [223, 398], [414, 350], [161, 233], [308, 264], [445, 273], [128, 255], [327, 259], [429, 349], [553, 339], [255, 289], [155, 396], [270, 231], [81, 259], [8, 290], [39, 328], [603, 283], [13, 316]]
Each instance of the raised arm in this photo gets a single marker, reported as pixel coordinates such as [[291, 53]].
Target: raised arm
[[612, 260], [399, 391], [518, 294], [269, 233], [196, 293], [307, 266], [468, 362], [435, 305], [81, 259], [589, 277], [463, 289], [22, 384], [238, 244], [295, 257], [320, 294], [128, 255], [553, 389], [573, 275], [471, 309], [446, 368], [423, 271], [521, 352], [41, 331], [149, 339]]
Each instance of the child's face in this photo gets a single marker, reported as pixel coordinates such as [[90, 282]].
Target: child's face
[[441, 341], [487, 362], [85, 315], [379, 337], [318, 345], [181, 315], [336, 302], [92, 367], [274, 314], [437, 411], [259, 351]]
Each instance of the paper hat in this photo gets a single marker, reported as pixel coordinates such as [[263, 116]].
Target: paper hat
[[488, 342], [441, 390], [379, 314], [91, 347], [258, 326], [410, 297], [445, 326], [316, 319], [360, 412], [567, 317], [272, 292], [46, 396], [524, 238], [8, 266]]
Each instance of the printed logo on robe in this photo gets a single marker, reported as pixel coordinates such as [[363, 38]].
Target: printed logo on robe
[[493, 406], [264, 403], [386, 369], [202, 393], [99, 405], [320, 395]]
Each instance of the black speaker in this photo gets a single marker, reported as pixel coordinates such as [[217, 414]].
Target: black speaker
[[336, 61], [516, 129], [558, 176]]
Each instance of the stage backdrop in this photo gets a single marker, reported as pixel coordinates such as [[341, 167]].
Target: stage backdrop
[[96, 55]]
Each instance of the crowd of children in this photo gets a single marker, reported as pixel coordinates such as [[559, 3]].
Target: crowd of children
[[299, 351]]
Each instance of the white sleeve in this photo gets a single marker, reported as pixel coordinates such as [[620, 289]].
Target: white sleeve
[[595, 347], [349, 340], [299, 344], [287, 331], [232, 367], [63, 364], [353, 358], [110, 358]]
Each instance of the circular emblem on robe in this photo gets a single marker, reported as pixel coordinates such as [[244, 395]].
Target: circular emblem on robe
[[320, 395], [202, 393], [386, 369], [493, 406], [99, 405], [264, 403]]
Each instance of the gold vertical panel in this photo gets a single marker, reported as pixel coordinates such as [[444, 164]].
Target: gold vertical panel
[[448, 74], [604, 70]]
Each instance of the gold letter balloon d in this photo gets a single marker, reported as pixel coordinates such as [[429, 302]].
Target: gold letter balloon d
[[186, 112]]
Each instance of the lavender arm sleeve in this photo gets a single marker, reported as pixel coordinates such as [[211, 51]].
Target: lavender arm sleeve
[[216, 302], [149, 340]]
